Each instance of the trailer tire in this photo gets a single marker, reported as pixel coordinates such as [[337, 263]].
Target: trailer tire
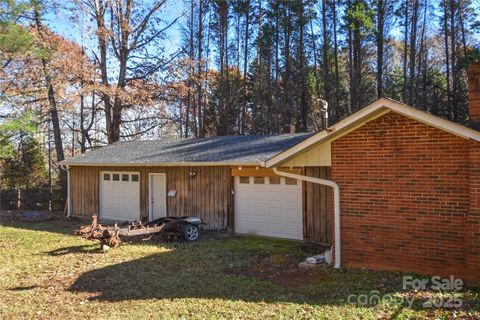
[[190, 232]]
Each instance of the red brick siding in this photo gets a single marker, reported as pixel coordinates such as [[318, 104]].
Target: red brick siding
[[473, 221], [405, 196]]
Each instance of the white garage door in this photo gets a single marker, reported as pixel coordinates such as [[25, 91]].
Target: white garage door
[[120, 196], [268, 207]]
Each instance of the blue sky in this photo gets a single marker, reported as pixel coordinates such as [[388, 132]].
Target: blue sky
[[60, 21]]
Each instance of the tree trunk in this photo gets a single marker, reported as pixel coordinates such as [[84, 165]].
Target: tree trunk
[[380, 43], [335, 52], [326, 63], [286, 89], [462, 27], [189, 106], [102, 47], [357, 67], [447, 58], [57, 134], [422, 60], [83, 140], [405, 52], [116, 121], [454, 61], [350, 66], [199, 69], [315, 61], [413, 51], [303, 80], [245, 62]]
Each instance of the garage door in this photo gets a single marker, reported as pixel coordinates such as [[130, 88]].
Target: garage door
[[120, 196], [268, 207]]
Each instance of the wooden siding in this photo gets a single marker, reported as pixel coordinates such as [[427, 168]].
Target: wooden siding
[[317, 219], [207, 195]]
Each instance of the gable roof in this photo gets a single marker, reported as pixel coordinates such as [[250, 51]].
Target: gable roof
[[371, 112], [222, 150]]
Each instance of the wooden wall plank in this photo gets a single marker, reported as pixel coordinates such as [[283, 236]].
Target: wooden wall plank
[[318, 209], [206, 195], [329, 208]]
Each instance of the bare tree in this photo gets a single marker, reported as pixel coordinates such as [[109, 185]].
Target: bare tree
[[132, 31]]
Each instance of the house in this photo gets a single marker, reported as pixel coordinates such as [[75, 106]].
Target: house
[[218, 179], [406, 186]]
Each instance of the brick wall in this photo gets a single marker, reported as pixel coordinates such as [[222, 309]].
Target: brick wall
[[473, 220], [405, 197]]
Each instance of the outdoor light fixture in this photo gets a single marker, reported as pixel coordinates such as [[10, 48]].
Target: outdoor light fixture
[[192, 174]]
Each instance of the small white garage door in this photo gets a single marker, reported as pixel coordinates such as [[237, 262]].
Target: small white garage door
[[120, 196], [268, 207]]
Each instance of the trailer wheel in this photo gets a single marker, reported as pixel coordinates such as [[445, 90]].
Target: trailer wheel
[[190, 232]]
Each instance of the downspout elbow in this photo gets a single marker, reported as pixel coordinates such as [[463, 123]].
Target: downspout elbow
[[336, 204]]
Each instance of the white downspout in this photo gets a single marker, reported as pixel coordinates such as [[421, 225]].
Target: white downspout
[[336, 204], [69, 204]]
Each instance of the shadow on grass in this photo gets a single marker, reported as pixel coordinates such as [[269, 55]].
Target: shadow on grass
[[23, 288], [182, 273], [74, 249]]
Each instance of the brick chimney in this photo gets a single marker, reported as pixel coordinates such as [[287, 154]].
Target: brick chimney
[[473, 73], [289, 128]]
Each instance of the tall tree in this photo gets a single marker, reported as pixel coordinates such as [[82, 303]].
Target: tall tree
[[380, 39], [406, 6], [359, 23], [326, 53], [245, 63], [447, 57], [201, 131], [413, 52], [45, 52]]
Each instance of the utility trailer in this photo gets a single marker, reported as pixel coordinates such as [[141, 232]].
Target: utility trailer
[[111, 236]]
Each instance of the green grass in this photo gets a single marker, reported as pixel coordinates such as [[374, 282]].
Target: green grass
[[47, 272]]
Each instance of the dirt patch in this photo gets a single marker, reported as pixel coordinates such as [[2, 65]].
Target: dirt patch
[[30, 215], [283, 270]]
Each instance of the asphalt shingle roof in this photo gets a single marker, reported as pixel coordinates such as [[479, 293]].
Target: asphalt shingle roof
[[248, 149]]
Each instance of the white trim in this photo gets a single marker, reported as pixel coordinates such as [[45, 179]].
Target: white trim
[[150, 193], [69, 201], [100, 191], [371, 112], [161, 164]]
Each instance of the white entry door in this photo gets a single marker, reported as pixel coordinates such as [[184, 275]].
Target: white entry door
[[158, 196], [120, 196], [269, 207]]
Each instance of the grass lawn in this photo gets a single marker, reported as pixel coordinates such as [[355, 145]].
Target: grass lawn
[[47, 272]]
